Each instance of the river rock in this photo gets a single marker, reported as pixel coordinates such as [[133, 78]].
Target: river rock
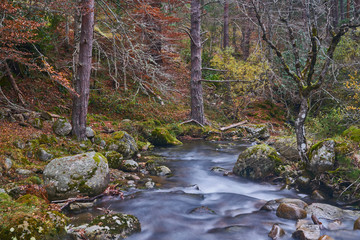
[[115, 227], [357, 224], [114, 159], [85, 174], [62, 127], [290, 211], [259, 131], [273, 205], [44, 155], [307, 232], [150, 185], [276, 232], [89, 132], [322, 156], [286, 146], [157, 170], [203, 210], [123, 143], [162, 137], [257, 162], [129, 166], [329, 212], [335, 225]]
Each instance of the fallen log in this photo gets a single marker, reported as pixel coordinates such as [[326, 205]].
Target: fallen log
[[233, 125]]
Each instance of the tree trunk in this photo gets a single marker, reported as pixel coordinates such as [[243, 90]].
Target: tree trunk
[[335, 12], [13, 84], [357, 8], [82, 83], [300, 129], [342, 12], [197, 103], [234, 42], [226, 24]]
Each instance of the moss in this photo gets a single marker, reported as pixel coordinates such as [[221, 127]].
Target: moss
[[353, 133], [119, 223], [84, 188], [31, 200], [114, 159], [316, 146], [162, 137], [34, 180], [98, 157], [4, 197], [118, 135]]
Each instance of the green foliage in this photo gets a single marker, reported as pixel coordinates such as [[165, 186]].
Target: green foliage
[[353, 133]]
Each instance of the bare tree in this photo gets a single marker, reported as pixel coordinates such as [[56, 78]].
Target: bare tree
[[82, 83]]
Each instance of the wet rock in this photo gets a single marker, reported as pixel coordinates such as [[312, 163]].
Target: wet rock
[[131, 183], [317, 195], [260, 131], [123, 143], [276, 232], [129, 166], [8, 163], [218, 169], [325, 237], [149, 185], [335, 225], [257, 162], [162, 137], [290, 211], [202, 210], [322, 156], [303, 183], [116, 226], [357, 224], [22, 171], [287, 147], [307, 232], [89, 132], [44, 155], [62, 127], [329, 212], [114, 159], [273, 205], [158, 171], [85, 174], [77, 206]]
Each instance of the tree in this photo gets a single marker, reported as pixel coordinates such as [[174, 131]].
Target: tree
[[309, 70], [197, 102], [82, 82]]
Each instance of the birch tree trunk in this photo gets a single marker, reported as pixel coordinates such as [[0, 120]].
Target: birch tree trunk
[[82, 83], [300, 128], [197, 102]]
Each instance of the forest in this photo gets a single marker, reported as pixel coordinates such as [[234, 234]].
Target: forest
[[179, 119]]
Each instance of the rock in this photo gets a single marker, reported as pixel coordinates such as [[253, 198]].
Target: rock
[[24, 171], [276, 232], [162, 137], [129, 166], [46, 116], [36, 123], [218, 169], [273, 205], [8, 163], [335, 225], [62, 127], [77, 206], [114, 159], [44, 155], [287, 147], [257, 162], [290, 211], [85, 174], [19, 117], [203, 210], [329, 212], [303, 183], [325, 237], [89, 132], [158, 171], [19, 144], [260, 131], [131, 183], [123, 143], [115, 226], [307, 232], [149, 185], [322, 156], [317, 195], [357, 224]]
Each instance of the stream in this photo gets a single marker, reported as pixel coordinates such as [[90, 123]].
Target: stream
[[226, 207]]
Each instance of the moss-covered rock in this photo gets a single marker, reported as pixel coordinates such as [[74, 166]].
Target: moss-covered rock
[[286, 146], [257, 162], [129, 166], [353, 133], [162, 137], [86, 174], [115, 226], [322, 156], [62, 127], [28, 218], [114, 159], [123, 143], [259, 131]]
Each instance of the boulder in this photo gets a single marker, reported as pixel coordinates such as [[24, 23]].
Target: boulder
[[115, 226], [273, 205], [114, 159], [85, 174], [44, 155], [62, 127], [89, 132], [129, 166], [257, 162], [290, 211], [329, 212], [357, 224], [153, 169], [276, 232], [259, 131], [307, 232], [322, 156], [287, 147], [162, 137], [123, 143]]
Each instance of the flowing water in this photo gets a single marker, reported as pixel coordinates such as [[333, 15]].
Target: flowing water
[[227, 206]]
